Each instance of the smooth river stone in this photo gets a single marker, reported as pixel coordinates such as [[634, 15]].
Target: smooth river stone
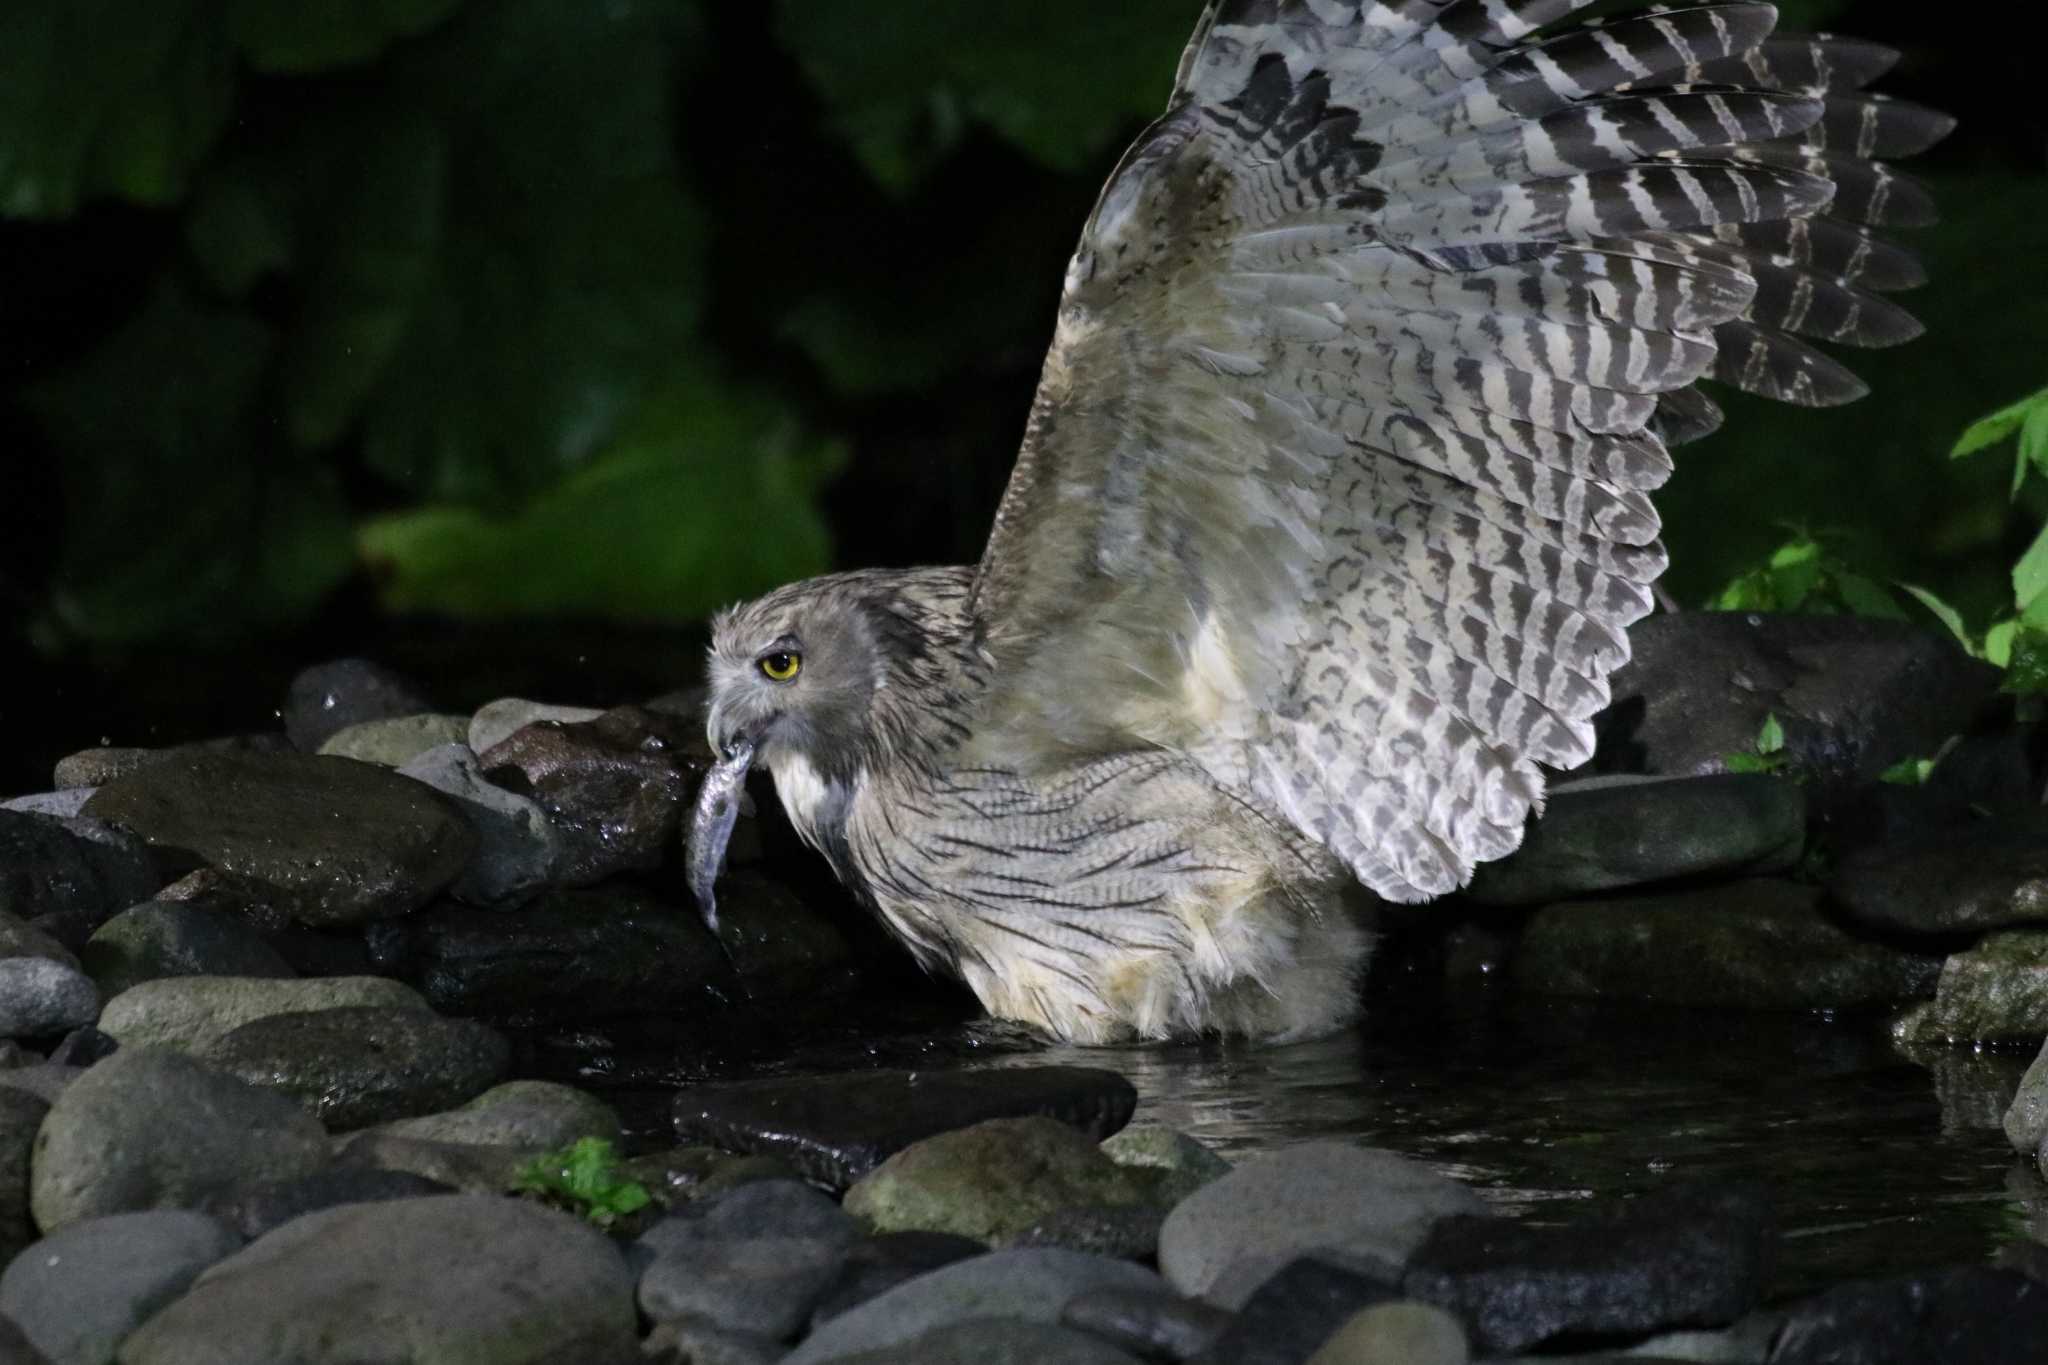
[[359, 1065], [80, 870], [345, 842], [1995, 991], [192, 1013], [1986, 875], [327, 698], [835, 1129]]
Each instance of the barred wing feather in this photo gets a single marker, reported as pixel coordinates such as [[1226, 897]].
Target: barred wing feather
[[1338, 475]]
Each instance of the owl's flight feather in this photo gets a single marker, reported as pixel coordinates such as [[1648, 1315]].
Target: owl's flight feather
[[1370, 356]]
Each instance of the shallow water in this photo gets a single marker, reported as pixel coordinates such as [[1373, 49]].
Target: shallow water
[[1877, 1164]]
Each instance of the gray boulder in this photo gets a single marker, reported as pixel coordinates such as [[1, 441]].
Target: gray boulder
[[996, 1341], [21, 1115], [151, 1128], [517, 847], [448, 1280], [1986, 875], [79, 1291], [517, 1114], [1997, 990], [395, 740], [327, 698], [192, 1013], [40, 996], [2026, 1118], [79, 869], [170, 938], [364, 1064], [1222, 1240]]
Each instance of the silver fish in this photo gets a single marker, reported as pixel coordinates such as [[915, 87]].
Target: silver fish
[[719, 802]]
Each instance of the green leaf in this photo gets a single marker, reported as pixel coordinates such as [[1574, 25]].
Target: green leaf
[[1989, 431], [1752, 763], [1998, 643], [107, 98], [1944, 613], [705, 454], [1061, 80], [1908, 772], [1867, 597], [2030, 575], [315, 35], [584, 1175], [2028, 670], [2033, 443], [1770, 738]]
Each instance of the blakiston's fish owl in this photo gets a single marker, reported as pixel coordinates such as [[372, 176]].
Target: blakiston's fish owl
[[1333, 507]]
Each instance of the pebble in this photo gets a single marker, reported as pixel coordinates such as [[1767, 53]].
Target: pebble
[[1753, 944], [192, 1013], [364, 1064], [395, 740], [443, 1279], [1030, 1285], [329, 697], [518, 1114], [577, 954], [80, 869], [1973, 1315], [21, 1114], [82, 1289], [615, 787], [875, 1265], [1604, 833], [518, 850], [1396, 1334], [152, 1128], [1310, 1197], [1986, 875], [1682, 1256], [343, 842], [500, 719], [40, 996], [1997, 990], [170, 938], [835, 1129], [1155, 1325], [994, 1181], [263, 1206]]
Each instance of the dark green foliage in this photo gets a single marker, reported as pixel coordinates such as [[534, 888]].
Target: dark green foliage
[[583, 1178]]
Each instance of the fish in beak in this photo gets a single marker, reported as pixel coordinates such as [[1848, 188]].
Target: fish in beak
[[719, 803]]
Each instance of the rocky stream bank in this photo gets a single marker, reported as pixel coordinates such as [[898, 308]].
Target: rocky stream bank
[[275, 1008]]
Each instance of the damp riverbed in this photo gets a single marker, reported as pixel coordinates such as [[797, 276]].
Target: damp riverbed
[[1877, 1164]]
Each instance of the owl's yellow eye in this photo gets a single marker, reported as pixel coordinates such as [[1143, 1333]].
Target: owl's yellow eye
[[781, 667]]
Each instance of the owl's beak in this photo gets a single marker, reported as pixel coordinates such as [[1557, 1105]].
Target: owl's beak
[[718, 809]]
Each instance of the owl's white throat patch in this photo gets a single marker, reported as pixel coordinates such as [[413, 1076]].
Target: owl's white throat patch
[[815, 806]]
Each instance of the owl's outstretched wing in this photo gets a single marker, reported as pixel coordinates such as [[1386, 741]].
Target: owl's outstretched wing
[[1368, 360]]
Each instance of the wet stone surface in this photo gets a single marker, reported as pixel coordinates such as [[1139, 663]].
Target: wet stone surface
[[170, 938], [1990, 874], [329, 697], [1996, 990], [263, 1206], [835, 1129], [79, 869], [354, 1066], [345, 841]]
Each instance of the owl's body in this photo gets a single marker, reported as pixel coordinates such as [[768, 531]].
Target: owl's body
[[1332, 512]]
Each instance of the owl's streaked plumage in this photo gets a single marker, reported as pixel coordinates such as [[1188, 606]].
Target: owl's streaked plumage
[[1333, 508]]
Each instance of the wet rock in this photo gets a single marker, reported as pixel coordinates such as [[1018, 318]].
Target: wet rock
[[1183, 1163], [62, 805], [97, 767], [769, 1208], [1294, 1311], [500, 719], [1853, 693], [192, 1013], [517, 847], [258, 904], [995, 1342], [397, 740], [82, 1289], [781, 948], [1996, 990], [39, 997], [1028, 1286], [1985, 875], [1602, 833], [615, 788], [1152, 1326], [1757, 944], [19, 938], [364, 1064], [993, 1181], [449, 1278], [1395, 1334], [21, 1114], [471, 1167], [518, 1114], [875, 1265], [44, 1082], [256, 1209], [1974, 1315], [151, 1128], [2026, 1118], [329, 697], [765, 1286], [82, 1047], [582, 953], [345, 842], [1129, 1232], [684, 1174], [835, 1129], [170, 938], [1221, 1241], [1689, 1256], [79, 869]]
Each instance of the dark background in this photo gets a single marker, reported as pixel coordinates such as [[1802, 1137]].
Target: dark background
[[503, 339]]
